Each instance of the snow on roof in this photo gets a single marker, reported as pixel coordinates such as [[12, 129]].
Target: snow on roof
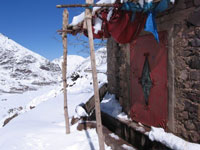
[[77, 19]]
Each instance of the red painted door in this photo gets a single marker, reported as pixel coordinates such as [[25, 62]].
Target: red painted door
[[149, 92]]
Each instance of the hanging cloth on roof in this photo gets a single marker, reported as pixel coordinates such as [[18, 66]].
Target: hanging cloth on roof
[[126, 23], [121, 26], [123, 29], [150, 25]]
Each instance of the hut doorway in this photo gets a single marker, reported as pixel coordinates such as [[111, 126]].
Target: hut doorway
[[149, 92]]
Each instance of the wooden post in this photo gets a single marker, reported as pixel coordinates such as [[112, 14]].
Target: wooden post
[[88, 19], [64, 68]]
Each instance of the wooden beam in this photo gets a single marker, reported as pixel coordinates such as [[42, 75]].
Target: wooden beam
[[90, 104], [94, 5], [88, 19], [85, 5], [64, 68]]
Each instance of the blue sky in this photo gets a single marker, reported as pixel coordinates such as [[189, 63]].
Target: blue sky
[[33, 24]]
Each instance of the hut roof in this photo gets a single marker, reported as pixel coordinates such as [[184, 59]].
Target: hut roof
[[127, 16]]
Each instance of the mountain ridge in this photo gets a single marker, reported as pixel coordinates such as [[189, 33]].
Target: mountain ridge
[[21, 69]]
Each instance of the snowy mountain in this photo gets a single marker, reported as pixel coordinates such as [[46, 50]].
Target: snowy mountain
[[79, 81], [79, 70], [22, 69], [73, 61], [101, 62]]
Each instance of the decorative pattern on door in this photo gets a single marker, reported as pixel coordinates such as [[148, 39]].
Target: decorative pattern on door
[[149, 93]]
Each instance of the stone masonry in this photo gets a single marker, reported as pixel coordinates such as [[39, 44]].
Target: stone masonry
[[182, 22], [118, 74]]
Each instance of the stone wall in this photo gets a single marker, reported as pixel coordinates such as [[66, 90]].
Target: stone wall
[[118, 72], [182, 22], [187, 82]]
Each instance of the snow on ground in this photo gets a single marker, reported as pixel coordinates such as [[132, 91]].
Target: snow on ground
[[170, 140], [112, 107], [114, 136], [11, 104], [127, 147], [43, 128]]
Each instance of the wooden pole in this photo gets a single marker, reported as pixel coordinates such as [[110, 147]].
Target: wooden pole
[[88, 19], [64, 68]]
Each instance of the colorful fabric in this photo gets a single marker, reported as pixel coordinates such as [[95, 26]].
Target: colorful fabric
[[127, 21]]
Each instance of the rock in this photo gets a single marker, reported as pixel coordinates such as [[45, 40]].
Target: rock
[[197, 2], [193, 116], [183, 75], [75, 76], [9, 119], [195, 42], [185, 53], [194, 136], [180, 107], [196, 86], [184, 133], [193, 96], [197, 32], [194, 62], [190, 107], [194, 17], [199, 115], [185, 115], [189, 125], [195, 75]]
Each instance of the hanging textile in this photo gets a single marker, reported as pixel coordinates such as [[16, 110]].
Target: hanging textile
[[128, 21], [123, 29]]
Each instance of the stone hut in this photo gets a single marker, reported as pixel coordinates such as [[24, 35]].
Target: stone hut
[[159, 83], [156, 82]]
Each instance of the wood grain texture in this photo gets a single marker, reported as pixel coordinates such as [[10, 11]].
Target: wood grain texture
[[88, 19], [64, 69]]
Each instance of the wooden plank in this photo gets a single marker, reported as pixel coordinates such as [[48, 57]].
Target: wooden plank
[[90, 104], [131, 132], [88, 18], [64, 68]]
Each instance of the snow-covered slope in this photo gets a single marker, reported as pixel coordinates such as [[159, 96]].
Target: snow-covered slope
[[80, 81], [73, 61], [79, 70], [28, 131], [101, 62], [22, 69]]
